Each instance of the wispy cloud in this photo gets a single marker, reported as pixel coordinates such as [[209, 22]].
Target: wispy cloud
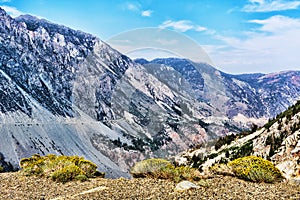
[[133, 6], [277, 23], [12, 11], [147, 13], [5, 1], [137, 8], [273, 45], [182, 25], [270, 5]]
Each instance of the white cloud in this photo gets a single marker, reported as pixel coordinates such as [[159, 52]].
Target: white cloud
[[133, 6], [147, 13], [182, 25], [137, 8], [12, 11], [270, 5], [274, 46], [277, 23], [200, 28]]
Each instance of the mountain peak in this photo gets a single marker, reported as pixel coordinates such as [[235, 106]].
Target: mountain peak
[[3, 13], [28, 18]]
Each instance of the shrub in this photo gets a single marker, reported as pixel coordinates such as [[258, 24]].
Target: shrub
[[81, 177], [178, 174], [59, 168], [163, 169], [88, 167], [221, 169], [149, 167], [1, 169], [256, 169], [66, 174]]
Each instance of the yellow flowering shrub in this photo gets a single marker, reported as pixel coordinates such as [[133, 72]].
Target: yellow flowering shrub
[[256, 169]]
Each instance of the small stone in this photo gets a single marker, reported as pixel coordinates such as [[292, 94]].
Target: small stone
[[185, 185], [295, 181]]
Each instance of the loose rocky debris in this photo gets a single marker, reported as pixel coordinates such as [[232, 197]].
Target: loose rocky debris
[[15, 186]]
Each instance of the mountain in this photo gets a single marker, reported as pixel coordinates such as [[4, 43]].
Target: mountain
[[38, 66], [67, 92], [278, 141], [237, 96]]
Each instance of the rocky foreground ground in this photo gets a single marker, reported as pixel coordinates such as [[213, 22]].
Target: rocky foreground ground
[[17, 186]]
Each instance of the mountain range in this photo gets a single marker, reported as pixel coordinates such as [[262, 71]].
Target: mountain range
[[63, 91]]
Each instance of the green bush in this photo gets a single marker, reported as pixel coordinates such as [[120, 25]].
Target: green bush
[[255, 169], [81, 177], [163, 169], [149, 167], [1, 169], [178, 174], [59, 168], [67, 173]]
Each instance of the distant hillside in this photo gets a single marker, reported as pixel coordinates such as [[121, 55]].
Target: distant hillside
[[237, 96], [278, 141]]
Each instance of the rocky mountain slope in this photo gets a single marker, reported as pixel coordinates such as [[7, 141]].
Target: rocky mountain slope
[[250, 95], [278, 141], [67, 92]]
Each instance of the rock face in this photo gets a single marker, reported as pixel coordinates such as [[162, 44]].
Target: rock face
[[277, 141], [66, 92], [250, 95]]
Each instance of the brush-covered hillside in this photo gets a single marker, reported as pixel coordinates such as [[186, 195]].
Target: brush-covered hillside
[[277, 141]]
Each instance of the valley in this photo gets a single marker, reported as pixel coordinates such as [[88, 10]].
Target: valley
[[67, 92]]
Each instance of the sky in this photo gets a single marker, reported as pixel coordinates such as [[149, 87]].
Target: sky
[[240, 36]]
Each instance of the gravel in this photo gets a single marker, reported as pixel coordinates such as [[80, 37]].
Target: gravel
[[16, 186]]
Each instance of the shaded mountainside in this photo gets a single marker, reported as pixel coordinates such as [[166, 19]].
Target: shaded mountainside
[[66, 92], [278, 141]]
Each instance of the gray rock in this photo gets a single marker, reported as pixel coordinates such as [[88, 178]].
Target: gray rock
[[185, 185]]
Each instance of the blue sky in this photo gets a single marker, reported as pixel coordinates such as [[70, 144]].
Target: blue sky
[[240, 36]]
